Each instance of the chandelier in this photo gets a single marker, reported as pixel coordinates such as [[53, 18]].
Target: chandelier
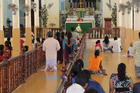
[[129, 6]]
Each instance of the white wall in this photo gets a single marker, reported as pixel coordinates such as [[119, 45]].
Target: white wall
[[137, 21], [106, 10], [53, 12], [126, 20]]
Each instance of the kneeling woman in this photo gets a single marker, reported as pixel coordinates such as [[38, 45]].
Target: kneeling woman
[[95, 65]]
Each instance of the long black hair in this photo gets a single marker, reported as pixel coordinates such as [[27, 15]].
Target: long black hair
[[106, 40], [58, 36], [97, 53], [1, 49], [122, 71], [77, 67], [69, 35]]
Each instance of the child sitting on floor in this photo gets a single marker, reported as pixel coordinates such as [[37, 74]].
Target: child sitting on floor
[[98, 45], [130, 52], [95, 64]]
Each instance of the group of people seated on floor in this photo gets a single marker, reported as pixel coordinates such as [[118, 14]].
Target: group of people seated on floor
[[5, 50], [115, 46], [80, 81]]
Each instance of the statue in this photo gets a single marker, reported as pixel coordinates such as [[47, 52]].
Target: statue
[[78, 28]]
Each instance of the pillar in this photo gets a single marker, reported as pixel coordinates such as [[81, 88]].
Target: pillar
[[1, 23], [36, 18], [28, 29], [16, 30], [88, 4]]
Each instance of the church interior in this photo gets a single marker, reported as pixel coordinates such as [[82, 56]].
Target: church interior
[[69, 46]]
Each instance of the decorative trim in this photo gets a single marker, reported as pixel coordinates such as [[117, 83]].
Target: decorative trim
[[13, 8], [33, 6], [129, 6], [27, 9]]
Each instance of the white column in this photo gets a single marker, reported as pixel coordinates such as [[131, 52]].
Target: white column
[[136, 20], [53, 13], [1, 23], [119, 15], [36, 13], [16, 30], [15, 17], [28, 29], [36, 17]]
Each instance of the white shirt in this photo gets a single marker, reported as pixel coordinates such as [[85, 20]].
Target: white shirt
[[75, 88], [116, 46], [131, 51], [51, 46], [137, 53]]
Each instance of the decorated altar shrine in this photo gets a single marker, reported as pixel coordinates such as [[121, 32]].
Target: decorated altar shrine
[[82, 16]]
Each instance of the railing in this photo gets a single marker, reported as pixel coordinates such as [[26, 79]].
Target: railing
[[15, 71], [41, 32], [99, 33], [64, 83]]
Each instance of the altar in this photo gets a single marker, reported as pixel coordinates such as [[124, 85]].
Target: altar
[[82, 17]]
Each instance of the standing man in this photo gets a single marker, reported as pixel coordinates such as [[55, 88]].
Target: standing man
[[51, 46], [137, 56]]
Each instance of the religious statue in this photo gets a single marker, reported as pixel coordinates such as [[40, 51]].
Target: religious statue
[[78, 28]]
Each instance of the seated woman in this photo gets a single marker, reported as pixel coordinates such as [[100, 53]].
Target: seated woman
[[106, 44], [77, 67], [120, 83], [98, 45], [95, 64]]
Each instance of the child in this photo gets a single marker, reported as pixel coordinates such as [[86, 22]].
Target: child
[[98, 45], [95, 65], [130, 52]]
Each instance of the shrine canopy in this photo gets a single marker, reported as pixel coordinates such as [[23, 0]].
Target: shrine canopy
[[82, 17]]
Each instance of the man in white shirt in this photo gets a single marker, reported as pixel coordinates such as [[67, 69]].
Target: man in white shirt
[[51, 46], [116, 44], [137, 56], [80, 85]]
